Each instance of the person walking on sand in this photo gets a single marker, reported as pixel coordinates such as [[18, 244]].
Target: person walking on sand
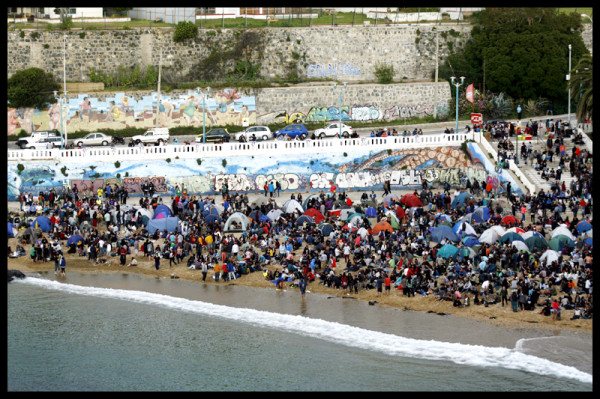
[[302, 285], [63, 265], [157, 260]]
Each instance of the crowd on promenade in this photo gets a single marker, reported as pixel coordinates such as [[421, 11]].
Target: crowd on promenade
[[330, 250]]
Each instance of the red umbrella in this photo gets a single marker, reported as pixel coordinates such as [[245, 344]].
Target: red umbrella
[[400, 213], [411, 200], [510, 220]]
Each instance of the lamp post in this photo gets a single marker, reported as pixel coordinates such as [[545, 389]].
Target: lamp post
[[63, 127], [568, 79], [204, 95], [343, 87], [462, 80]]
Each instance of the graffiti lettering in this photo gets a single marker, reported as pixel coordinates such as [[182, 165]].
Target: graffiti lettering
[[322, 71], [134, 184], [365, 113]]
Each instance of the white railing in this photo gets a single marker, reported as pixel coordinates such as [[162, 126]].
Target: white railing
[[212, 150]]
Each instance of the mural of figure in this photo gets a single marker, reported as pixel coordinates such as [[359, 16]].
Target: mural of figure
[[113, 112], [85, 108], [54, 116], [125, 105], [244, 119], [12, 121], [189, 109], [26, 119], [165, 112]]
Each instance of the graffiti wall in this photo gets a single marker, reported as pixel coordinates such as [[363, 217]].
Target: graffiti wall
[[119, 111], [405, 169]]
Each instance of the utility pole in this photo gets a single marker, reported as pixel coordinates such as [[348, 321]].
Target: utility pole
[[158, 93], [437, 48]]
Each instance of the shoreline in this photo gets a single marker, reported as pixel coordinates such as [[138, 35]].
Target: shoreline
[[494, 314]]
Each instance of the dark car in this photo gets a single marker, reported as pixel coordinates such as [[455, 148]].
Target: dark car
[[218, 134], [293, 131]]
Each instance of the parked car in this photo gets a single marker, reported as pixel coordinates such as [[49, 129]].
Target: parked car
[[333, 130], [153, 136], [218, 134], [45, 143], [259, 132], [94, 139], [26, 142], [293, 131]]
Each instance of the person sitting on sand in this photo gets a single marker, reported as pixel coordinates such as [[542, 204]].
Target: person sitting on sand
[[133, 262]]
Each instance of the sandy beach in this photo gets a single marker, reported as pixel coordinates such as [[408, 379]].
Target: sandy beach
[[495, 314]]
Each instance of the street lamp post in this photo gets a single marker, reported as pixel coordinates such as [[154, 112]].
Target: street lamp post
[[343, 87], [63, 127], [568, 79], [462, 80], [204, 113]]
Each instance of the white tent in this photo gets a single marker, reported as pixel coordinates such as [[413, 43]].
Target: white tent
[[237, 219], [549, 256], [274, 214], [489, 236], [291, 205], [564, 230]]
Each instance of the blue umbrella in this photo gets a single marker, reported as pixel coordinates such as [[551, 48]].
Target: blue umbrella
[[443, 232], [583, 226], [448, 251]]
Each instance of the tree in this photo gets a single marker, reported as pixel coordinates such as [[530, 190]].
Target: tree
[[31, 88], [524, 50], [581, 84]]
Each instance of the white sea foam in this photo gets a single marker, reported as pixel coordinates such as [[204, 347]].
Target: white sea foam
[[469, 355]]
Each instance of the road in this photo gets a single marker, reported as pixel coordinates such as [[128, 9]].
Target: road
[[427, 128]]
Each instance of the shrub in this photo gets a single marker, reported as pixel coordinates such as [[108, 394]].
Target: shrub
[[185, 30], [384, 73]]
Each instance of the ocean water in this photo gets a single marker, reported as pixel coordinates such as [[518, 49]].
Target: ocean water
[[122, 332]]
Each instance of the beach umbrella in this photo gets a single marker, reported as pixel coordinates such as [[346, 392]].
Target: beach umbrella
[[520, 245], [562, 230], [447, 251], [549, 256], [274, 214], [371, 212], [489, 236], [470, 241], [382, 226], [463, 228], [325, 229], [560, 241], [583, 226], [291, 206], [400, 212], [443, 232], [461, 199], [510, 237], [411, 200], [536, 242], [74, 239], [509, 220], [305, 219]]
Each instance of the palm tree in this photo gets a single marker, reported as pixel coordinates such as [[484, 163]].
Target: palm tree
[[581, 82]]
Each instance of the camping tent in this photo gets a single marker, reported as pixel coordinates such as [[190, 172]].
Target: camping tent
[[168, 223], [315, 214], [75, 238], [274, 214], [10, 230], [291, 205], [443, 232], [305, 219], [411, 200], [371, 212], [448, 251], [237, 219], [162, 209], [461, 199], [308, 199], [382, 226], [325, 229], [42, 222]]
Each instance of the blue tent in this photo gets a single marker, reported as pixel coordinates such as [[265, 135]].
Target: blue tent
[[371, 212], [480, 214], [325, 229], [304, 218], [163, 209], [210, 210], [10, 228], [75, 238], [461, 199], [43, 222], [448, 251], [441, 232], [588, 241], [583, 226], [212, 218], [510, 237], [470, 241], [169, 223]]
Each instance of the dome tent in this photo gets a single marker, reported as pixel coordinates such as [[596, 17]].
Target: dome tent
[[239, 219]]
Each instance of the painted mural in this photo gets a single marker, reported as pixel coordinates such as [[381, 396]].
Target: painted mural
[[86, 113], [226, 107], [405, 169]]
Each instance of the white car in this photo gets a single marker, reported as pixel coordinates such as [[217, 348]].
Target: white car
[[260, 133], [153, 136], [45, 143], [94, 139], [333, 130]]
